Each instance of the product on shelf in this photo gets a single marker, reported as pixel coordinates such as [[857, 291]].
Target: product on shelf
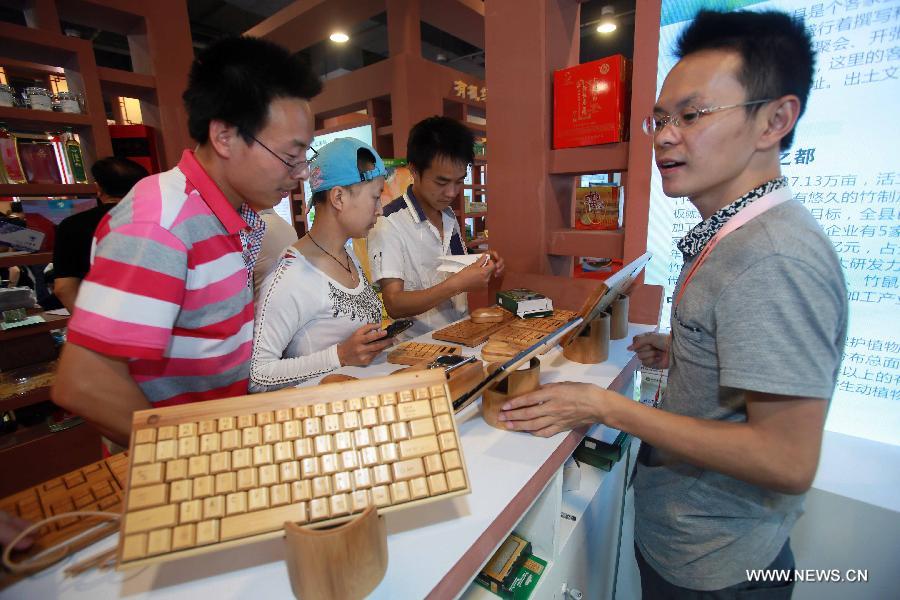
[[38, 98], [39, 159], [597, 207], [7, 95], [591, 102], [23, 380], [12, 166], [66, 102], [74, 157]]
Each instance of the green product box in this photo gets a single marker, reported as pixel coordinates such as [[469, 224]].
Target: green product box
[[525, 303]]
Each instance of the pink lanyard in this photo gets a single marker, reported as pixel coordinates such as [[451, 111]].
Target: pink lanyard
[[746, 214]]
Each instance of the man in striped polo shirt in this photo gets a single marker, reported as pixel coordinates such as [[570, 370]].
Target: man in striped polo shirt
[[165, 315]]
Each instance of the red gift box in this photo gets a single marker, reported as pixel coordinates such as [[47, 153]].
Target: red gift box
[[590, 103]]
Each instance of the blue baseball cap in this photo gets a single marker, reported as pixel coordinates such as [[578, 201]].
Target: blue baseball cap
[[336, 165]]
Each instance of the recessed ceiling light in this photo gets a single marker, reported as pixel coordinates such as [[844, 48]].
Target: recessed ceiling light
[[339, 37], [607, 20]]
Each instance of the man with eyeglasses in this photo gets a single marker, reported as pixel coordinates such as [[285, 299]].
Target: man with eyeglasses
[[165, 315], [757, 329]]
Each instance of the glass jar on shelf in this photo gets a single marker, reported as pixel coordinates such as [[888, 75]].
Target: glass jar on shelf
[[7, 95], [38, 98], [67, 102]]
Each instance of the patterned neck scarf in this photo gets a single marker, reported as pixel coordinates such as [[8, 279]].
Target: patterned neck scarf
[[695, 240], [251, 239]]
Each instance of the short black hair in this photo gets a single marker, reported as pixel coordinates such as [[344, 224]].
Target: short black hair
[[235, 80], [365, 161], [776, 52], [439, 136], [116, 176]]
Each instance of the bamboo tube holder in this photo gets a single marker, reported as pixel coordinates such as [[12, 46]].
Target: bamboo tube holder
[[592, 344], [618, 327], [516, 383], [347, 561]]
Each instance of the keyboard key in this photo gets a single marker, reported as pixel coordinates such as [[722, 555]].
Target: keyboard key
[[281, 493], [369, 417], [355, 404], [265, 418], [360, 500], [166, 450], [207, 532], [362, 478], [204, 486], [388, 453], [145, 436], [381, 496], [231, 439], [387, 414], [158, 541], [362, 438], [226, 423], [309, 467], [284, 451], [283, 415], [400, 492], [146, 474], [388, 399], [419, 446], [263, 455], [405, 396], [184, 536], [418, 488], [176, 469], [331, 423], [143, 454], [291, 430], [208, 426], [433, 464], [312, 427], [421, 427], [422, 394], [220, 462], [188, 446], [258, 499], [151, 518], [301, 491], [407, 469], [166, 432], [437, 391], [323, 444], [321, 486], [437, 484], [301, 412], [336, 407], [268, 475], [241, 458], [456, 480], [214, 507], [244, 421], [399, 431], [318, 509], [451, 460], [236, 503], [320, 409], [303, 448], [250, 436], [263, 521], [187, 430], [290, 471], [349, 460], [191, 511], [272, 433], [209, 443], [447, 441], [181, 490], [350, 420], [198, 465], [371, 401], [340, 505], [329, 464], [368, 456], [381, 474], [341, 483], [246, 479], [443, 423], [407, 411], [134, 547], [381, 434], [226, 482], [343, 441], [148, 496]]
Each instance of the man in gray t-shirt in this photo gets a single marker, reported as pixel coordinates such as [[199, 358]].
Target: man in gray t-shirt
[[757, 329]]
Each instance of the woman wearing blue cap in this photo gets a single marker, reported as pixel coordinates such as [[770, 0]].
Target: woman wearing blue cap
[[317, 311]]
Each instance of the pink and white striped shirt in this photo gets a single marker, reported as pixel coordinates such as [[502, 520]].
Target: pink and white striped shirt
[[168, 288]]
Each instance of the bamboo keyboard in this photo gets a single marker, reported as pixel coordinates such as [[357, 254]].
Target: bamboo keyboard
[[222, 473]]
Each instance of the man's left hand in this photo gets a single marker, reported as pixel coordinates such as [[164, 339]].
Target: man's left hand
[[553, 408]]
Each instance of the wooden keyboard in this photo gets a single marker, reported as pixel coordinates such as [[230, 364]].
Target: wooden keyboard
[[222, 473], [415, 353], [471, 334]]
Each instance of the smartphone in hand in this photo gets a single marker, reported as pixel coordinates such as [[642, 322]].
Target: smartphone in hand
[[398, 327]]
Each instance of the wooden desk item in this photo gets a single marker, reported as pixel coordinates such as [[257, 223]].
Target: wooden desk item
[[591, 346], [517, 383], [469, 333], [347, 561], [618, 326], [98, 486], [487, 314], [414, 353]]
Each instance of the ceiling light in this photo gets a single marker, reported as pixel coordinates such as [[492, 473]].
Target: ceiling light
[[339, 37], [607, 20]]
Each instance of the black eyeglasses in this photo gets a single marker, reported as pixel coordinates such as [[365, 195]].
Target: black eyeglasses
[[296, 167]]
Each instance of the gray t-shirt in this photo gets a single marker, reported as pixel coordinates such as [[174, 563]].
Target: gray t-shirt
[[766, 312]]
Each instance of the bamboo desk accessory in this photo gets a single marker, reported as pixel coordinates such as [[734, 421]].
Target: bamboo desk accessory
[[470, 333], [520, 381], [591, 346]]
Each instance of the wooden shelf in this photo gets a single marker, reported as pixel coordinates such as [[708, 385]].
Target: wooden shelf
[[50, 323], [386, 130], [48, 189], [10, 259], [607, 158], [17, 401], [126, 83], [37, 120], [482, 129], [586, 242]]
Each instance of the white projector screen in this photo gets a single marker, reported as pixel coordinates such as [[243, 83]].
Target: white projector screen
[[844, 167]]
